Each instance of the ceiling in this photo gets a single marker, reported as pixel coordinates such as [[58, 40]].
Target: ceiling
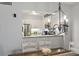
[[66, 3], [70, 3]]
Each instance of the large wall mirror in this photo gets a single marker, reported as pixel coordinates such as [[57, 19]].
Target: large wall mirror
[[44, 23]]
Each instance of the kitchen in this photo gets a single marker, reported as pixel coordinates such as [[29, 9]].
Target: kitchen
[[38, 26]]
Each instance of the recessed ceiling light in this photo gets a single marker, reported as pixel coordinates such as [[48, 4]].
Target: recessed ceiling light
[[34, 13], [53, 13]]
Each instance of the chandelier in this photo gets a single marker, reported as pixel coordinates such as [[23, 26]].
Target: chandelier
[[60, 17]]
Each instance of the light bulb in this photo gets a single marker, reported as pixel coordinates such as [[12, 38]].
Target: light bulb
[[66, 20], [48, 20], [65, 16]]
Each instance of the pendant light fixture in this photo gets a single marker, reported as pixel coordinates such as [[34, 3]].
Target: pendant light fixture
[[63, 21], [59, 11]]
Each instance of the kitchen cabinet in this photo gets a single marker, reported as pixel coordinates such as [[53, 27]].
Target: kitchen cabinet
[[33, 43]]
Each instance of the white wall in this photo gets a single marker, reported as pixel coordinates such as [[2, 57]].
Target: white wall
[[9, 30], [75, 19], [68, 36]]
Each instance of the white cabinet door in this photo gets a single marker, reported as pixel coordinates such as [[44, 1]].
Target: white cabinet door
[[29, 44], [55, 41]]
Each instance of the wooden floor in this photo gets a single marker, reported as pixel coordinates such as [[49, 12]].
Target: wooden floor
[[55, 52]]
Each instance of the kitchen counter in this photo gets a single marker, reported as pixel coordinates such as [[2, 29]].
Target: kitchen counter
[[42, 36]]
